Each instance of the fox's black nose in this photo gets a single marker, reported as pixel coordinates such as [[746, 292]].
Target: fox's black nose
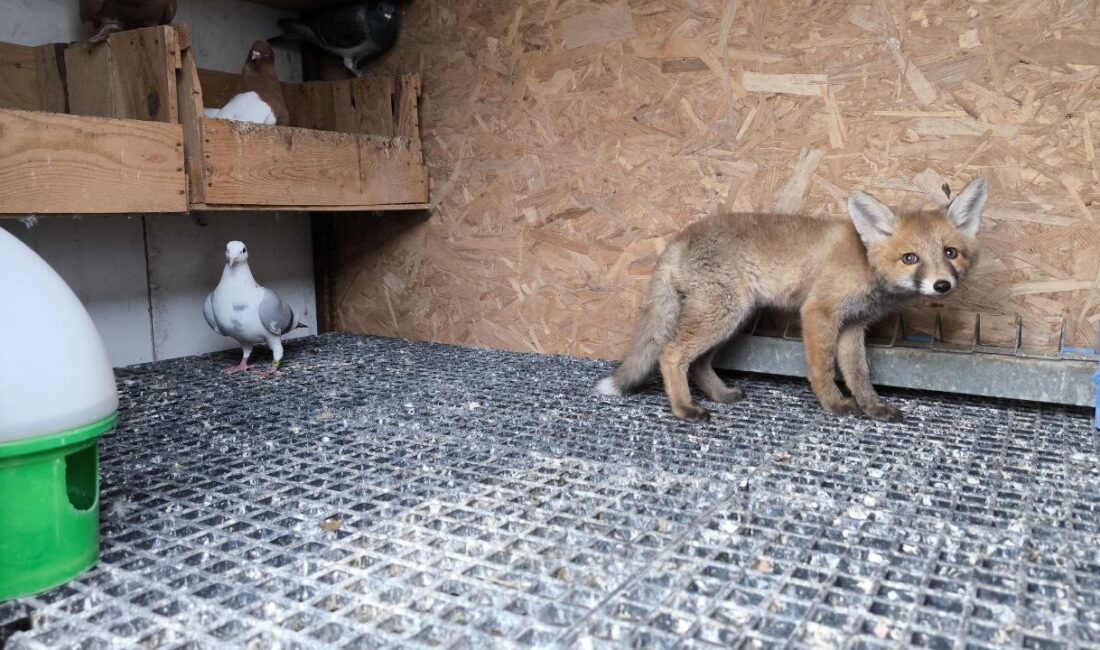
[[942, 286]]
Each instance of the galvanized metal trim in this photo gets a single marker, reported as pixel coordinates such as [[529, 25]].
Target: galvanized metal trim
[[1055, 381]]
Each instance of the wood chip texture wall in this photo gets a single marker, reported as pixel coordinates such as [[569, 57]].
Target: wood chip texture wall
[[568, 141]]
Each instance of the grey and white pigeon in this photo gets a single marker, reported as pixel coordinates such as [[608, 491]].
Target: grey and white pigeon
[[242, 309], [351, 32]]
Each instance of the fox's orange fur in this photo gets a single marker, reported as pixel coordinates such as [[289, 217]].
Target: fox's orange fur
[[840, 276]]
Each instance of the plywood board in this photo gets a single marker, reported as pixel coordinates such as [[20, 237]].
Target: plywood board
[[52, 163], [559, 172]]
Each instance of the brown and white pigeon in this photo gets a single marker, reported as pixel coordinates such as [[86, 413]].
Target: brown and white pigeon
[[109, 16], [259, 95]]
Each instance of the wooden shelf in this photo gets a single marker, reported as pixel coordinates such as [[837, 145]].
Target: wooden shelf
[[137, 140]]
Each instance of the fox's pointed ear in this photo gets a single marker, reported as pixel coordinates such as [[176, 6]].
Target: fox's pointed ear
[[874, 221], [965, 211]]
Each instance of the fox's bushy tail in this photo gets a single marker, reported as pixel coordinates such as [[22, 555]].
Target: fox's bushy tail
[[656, 327]]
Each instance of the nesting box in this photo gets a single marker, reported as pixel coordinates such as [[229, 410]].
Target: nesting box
[[57, 397], [118, 127]]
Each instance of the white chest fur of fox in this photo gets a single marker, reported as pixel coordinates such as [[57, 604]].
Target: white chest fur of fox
[[840, 276]]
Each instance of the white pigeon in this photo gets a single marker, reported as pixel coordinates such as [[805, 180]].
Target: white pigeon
[[242, 309], [244, 107]]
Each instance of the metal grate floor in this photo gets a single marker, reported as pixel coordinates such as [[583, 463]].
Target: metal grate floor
[[387, 494]]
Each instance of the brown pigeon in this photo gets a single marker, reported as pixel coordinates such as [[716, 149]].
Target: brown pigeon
[[109, 16], [259, 76]]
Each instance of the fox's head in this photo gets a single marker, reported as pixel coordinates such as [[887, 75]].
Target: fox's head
[[922, 253]]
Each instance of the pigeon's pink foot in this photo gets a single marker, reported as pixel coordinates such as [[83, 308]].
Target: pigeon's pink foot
[[267, 374], [240, 367]]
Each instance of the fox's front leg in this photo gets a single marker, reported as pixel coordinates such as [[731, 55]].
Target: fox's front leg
[[820, 329], [852, 354]]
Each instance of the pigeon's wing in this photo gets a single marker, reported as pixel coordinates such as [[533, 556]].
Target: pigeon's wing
[[212, 112], [342, 28], [89, 9], [208, 312], [247, 107], [293, 28], [276, 315], [169, 12]]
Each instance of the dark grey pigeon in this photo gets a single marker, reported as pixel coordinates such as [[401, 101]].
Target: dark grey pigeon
[[351, 32]]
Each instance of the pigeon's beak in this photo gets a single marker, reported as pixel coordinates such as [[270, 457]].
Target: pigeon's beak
[[233, 261], [254, 56]]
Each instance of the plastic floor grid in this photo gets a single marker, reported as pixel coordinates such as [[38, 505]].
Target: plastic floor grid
[[388, 494]]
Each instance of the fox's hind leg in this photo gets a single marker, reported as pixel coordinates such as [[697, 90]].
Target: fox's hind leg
[[702, 371], [701, 329]]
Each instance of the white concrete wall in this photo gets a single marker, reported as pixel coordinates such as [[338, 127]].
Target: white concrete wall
[[143, 279]]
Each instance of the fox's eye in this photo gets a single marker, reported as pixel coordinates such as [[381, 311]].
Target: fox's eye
[[950, 253], [910, 258]]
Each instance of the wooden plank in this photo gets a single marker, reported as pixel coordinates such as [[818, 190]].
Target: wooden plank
[[218, 87], [310, 105], [52, 93], [252, 164], [392, 174], [18, 78], [131, 76], [190, 102], [91, 90], [407, 118], [348, 106], [64, 164]]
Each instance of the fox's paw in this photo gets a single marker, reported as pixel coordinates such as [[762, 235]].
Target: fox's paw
[[691, 413], [846, 406], [885, 413], [730, 395]]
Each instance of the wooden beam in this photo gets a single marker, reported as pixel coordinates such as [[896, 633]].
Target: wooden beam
[[95, 165]]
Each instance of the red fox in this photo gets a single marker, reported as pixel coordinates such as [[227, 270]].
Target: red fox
[[840, 276]]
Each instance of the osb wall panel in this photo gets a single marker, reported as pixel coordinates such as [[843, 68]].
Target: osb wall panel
[[568, 140]]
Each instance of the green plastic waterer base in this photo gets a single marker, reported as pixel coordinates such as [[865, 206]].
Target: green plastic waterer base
[[49, 509]]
